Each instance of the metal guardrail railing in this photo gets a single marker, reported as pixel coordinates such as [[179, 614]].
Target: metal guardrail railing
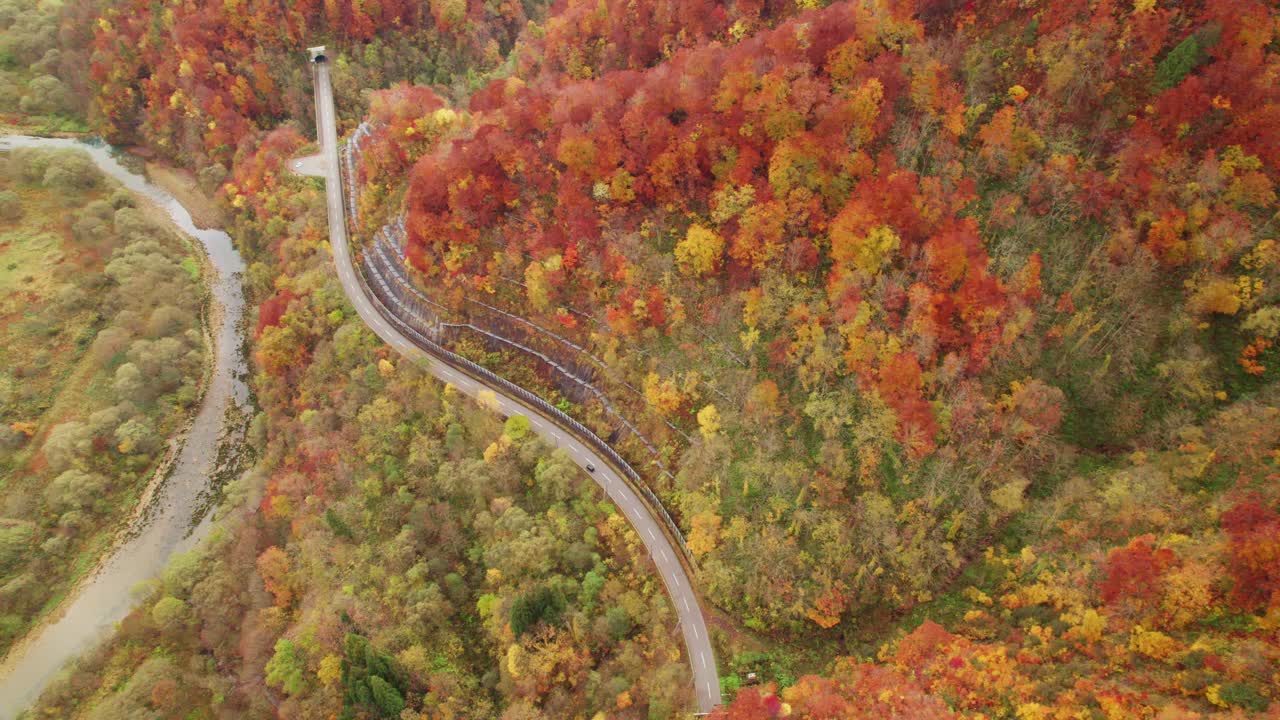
[[418, 307], [389, 242], [383, 294], [387, 266], [387, 238], [392, 239]]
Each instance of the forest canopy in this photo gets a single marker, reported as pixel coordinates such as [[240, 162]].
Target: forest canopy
[[945, 331]]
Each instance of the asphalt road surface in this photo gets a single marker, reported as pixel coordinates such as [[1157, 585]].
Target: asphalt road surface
[[697, 643]]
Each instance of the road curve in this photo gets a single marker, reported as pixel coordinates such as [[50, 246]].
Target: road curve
[[697, 642]]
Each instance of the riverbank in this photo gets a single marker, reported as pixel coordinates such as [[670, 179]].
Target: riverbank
[[178, 182], [70, 395], [8, 127], [182, 184], [172, 512]]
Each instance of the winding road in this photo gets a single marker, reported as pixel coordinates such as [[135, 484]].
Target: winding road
[[664, 555]]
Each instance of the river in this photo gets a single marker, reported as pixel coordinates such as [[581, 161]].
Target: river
[[180, 513]]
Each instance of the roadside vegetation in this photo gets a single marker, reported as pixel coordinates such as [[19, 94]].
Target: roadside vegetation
[[397, 549], [100, 335]]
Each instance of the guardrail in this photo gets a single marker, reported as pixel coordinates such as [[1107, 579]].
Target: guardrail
[[528, 399], [388, 246], [426, 337], [383, 264], [390, 241]]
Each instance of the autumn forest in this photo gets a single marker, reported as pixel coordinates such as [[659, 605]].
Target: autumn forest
[[945, 332]]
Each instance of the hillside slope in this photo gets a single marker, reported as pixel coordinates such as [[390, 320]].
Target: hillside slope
[[954, 325]]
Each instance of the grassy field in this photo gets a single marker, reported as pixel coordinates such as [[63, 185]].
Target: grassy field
[[43, 341]]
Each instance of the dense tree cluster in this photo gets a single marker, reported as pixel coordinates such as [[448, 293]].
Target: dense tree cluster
[[192, 79], [928, 260], [1149, 589], [815, 251], [589, 39], [42, 78]]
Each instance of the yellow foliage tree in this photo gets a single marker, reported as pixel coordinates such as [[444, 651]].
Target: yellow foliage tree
[[1008, 497], [1092, 625], [705, 535], [1152, 643], [1215, 296], [385, 368], [487, 400], [709, 421], [868, 252], [497, 448], [414, 659], [517, 660], [1033, 711], [662, 395], [330, 671], [699, 252], [864, 109], [1188, 594], [536, 286], [763, 399]]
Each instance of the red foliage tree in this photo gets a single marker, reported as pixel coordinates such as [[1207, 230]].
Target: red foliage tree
[[900, 385], [1253, 551], [863, 691], [751, 704], [271, 309], [853, 691], [1134, 570]]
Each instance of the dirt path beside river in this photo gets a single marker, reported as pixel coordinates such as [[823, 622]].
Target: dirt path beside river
[[182, 184]]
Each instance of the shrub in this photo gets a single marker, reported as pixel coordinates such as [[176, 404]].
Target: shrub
[[10, 206], [71, 172], [1241, 695], [542, 605], [46, 95], [169, 613]]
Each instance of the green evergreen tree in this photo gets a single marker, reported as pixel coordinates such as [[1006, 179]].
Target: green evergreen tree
[[386, 697], [286, 669]]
